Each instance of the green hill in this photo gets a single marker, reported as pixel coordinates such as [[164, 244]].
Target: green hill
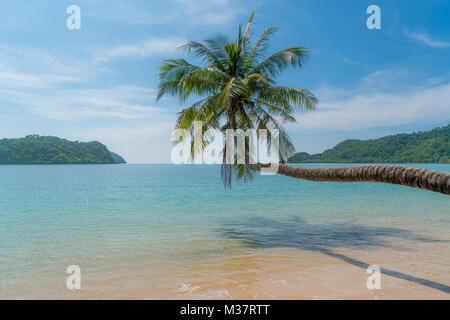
[[35, 149], [117, 158], [419, 147]]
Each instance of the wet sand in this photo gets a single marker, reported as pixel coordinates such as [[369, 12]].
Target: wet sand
[[420, 272]]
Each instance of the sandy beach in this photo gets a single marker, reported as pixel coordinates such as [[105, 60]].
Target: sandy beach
[[131, 240], [418, 273]]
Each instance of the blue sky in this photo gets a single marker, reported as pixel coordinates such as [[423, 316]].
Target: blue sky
[[98, 83]]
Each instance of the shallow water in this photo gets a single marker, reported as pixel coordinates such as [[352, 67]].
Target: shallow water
[[166, 231]]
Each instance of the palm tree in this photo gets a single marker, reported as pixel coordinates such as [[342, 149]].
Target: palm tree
[[238, 91]]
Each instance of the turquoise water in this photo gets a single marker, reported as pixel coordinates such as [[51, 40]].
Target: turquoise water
[[113, 219]]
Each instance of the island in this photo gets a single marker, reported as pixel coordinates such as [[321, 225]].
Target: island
[[35, 149], [419, 147]]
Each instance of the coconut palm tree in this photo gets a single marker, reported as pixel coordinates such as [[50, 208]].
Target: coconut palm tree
[[237, 87]]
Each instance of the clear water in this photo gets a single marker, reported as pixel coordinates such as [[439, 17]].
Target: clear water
[[139, 227]]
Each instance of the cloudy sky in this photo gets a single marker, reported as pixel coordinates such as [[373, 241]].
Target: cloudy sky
[[98, 83]]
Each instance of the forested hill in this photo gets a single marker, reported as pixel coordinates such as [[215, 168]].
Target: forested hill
[[419, 147], [35, 149]]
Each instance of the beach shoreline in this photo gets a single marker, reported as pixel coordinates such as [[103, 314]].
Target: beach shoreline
[[278, 274], [169, 232]]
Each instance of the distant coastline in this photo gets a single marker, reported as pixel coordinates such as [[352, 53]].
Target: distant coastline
[[40, 150], [420, 147]]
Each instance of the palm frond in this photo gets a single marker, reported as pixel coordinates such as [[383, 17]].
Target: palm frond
[[288, 97], [260, 48], [237, 90], [245, 42], [278, 62], [203, 52], [179, 78]]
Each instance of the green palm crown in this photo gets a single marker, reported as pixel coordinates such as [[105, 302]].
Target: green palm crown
[[237, 89]]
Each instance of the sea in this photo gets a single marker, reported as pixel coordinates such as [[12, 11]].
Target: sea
[[163, 231]]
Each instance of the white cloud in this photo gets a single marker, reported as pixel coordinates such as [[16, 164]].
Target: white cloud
[[122, 102], [424, 38], [138, 143], [32, 59], [382, 80], [26, 67], [173, 12], [378, 109], [145, 49], [128, 133], [59, 87], [354, 62], [209, 12], [387, 81], [26, 80]]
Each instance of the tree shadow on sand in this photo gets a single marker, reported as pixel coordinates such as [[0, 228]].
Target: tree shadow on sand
[[298, 233]]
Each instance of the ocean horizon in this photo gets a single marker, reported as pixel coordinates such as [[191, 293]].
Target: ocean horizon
[[157, 231]]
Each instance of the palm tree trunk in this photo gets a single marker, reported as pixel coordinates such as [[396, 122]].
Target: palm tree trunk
[[435, 181]]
